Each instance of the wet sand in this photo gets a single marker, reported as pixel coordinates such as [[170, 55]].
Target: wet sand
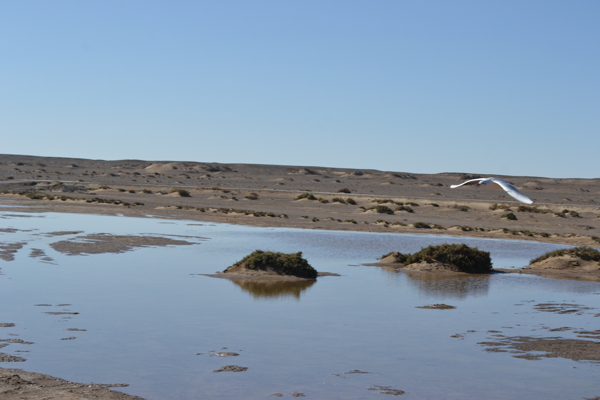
[[566, 211]]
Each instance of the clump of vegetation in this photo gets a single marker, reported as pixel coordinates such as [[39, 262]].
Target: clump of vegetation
[[351, 221], [405, 208], [131, 191], [181, 192], [465, 258], [384, 201], [574, 214], [323, 200], [282, 263], [121, 190], [381, 209], [422, 225], [497, 206], [338, 200], [461, 208], [308, 196], [315, 219], [344, 190], [596, 239], [585, 253], [350, 201], [533, 209], [510, 216], [436, 226], [398, 257], [251, 196], [434, 204], [410, 203]]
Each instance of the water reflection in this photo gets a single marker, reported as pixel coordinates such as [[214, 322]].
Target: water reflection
[[273, 289], [449, 286]]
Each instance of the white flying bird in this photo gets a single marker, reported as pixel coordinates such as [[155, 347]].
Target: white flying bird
[[509, 188]]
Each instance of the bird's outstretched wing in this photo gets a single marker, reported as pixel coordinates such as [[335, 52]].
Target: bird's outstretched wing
[[468, 183], [512, 191]]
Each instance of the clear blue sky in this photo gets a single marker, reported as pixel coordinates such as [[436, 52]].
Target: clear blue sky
[[491, 87]]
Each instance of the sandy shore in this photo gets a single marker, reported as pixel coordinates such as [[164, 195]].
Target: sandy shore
[[566, 211]]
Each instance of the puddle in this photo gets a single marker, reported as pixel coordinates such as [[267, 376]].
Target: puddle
[[146, 316]]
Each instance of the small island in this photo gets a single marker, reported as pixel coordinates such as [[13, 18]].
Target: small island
[[576, 262], [267, 265], [444, 258]]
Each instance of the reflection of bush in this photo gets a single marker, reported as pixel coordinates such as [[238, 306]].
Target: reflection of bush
[[267, 289]]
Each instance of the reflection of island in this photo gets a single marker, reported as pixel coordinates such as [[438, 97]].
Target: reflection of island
[[273, 288], [454, 286]]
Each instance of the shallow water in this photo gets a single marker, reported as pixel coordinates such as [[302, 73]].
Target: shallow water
[[152, 321]]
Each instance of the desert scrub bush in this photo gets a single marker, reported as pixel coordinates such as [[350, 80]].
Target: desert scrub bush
[[404, 208], [410, 203], [181, 192], [308, 196], [34, 196], [434, 204], [533, 209], [352, 202], [131, 191], [436, 226], [398, 257], [574, 214], [384, 201], [381, 209], [351, 221], [510, 216], [338, 200], [596, 239], [315, 219], [585, 253], [322, 200], [465, 258], [10, 177], [460, 208], [146, 191], [121, 190], [286, 264], [497, 206], [398, 224], [304, 216], [251, 196], [421, 225], [344, 190]]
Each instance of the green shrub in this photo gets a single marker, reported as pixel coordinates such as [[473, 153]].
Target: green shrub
[[286, 264], [251, 196], [585, 253], [381, 209], [308, 196], [421, 225], [350, 201], [398, 257], [461, 208], [338, 200], [405, 208], [497, 206], [574, 214], [182, 192], [322, 200], [351, 221], [510, 216], [344, 190], [465, 258]]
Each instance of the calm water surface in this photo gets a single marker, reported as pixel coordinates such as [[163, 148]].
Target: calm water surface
[[152, 321]]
